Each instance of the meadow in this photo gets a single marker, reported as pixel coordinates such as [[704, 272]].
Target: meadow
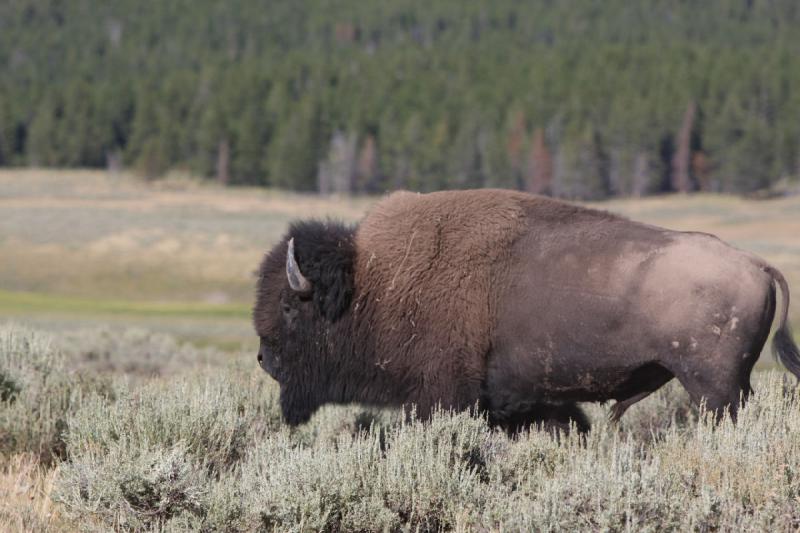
[[130, 397]]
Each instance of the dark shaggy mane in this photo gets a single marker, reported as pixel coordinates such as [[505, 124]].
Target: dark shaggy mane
[[325, 252]]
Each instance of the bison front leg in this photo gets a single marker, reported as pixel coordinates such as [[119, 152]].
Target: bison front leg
[[562, 418], [553, 418], [297, 406]]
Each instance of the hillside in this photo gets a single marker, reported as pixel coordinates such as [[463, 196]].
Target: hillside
[[568, 98]]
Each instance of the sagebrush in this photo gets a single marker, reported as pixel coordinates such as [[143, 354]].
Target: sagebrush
[[205, 450], [38, 391]]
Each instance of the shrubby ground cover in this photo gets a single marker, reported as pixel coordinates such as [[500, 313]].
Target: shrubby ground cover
[[201, 447]]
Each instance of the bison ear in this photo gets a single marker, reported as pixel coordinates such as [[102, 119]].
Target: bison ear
[[325, 254], [335, 293]]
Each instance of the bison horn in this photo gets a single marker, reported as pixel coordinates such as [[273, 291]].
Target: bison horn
[[297, 281]]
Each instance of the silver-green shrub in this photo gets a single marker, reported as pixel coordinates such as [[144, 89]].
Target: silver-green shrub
[[453, 473], [695, 476], [149, 458], [135, 352], [38, 391], [206, 451], [419, 475], [132, 486], [215, 414]]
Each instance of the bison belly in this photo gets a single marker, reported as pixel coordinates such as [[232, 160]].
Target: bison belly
[[594, 320]]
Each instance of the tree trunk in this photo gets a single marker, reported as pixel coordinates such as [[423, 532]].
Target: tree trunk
[[701, 168], [516, 137], [681, 160], [367, 167], [641, 166], [223, 162], [539, 171]]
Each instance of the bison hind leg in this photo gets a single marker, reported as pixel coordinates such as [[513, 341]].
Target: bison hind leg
[[722, 381], [551, 417], [619, 408], [642, 382]]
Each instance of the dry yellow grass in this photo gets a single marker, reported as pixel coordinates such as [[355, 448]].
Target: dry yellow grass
[[25, 503], [98, 235], [95, 236], [84, 245], [100, 189]]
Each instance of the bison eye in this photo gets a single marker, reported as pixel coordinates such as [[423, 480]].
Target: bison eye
[[286, 308]]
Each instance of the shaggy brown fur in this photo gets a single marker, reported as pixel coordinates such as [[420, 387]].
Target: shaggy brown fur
[[519, 303], [426, 288]]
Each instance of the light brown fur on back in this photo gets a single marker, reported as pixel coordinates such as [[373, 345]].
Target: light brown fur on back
[[429, 261]]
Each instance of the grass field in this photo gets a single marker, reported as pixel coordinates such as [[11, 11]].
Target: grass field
[[87, 247], [82, 247], [134, 402]]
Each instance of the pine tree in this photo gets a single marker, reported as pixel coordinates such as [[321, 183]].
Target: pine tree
[[44, 136], [7, 154], [448, 93], [296, 151]]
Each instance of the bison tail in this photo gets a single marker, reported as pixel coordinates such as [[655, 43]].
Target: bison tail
[[783, 344]]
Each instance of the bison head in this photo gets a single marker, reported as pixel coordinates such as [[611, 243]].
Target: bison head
[[305, 286]]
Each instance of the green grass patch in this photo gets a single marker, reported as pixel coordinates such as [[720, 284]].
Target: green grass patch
[[35, 303]]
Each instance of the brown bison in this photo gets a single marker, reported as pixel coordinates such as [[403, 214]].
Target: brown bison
[[520, 304]]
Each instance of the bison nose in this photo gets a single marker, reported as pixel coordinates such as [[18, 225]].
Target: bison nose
[[259, 358]]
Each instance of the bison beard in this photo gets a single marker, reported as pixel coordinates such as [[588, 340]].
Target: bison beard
[[520, 304]]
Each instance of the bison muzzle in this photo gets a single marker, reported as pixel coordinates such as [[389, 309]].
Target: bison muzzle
[[519, 304]]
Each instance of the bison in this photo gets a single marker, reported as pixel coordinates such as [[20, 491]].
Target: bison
[[519, 304]]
